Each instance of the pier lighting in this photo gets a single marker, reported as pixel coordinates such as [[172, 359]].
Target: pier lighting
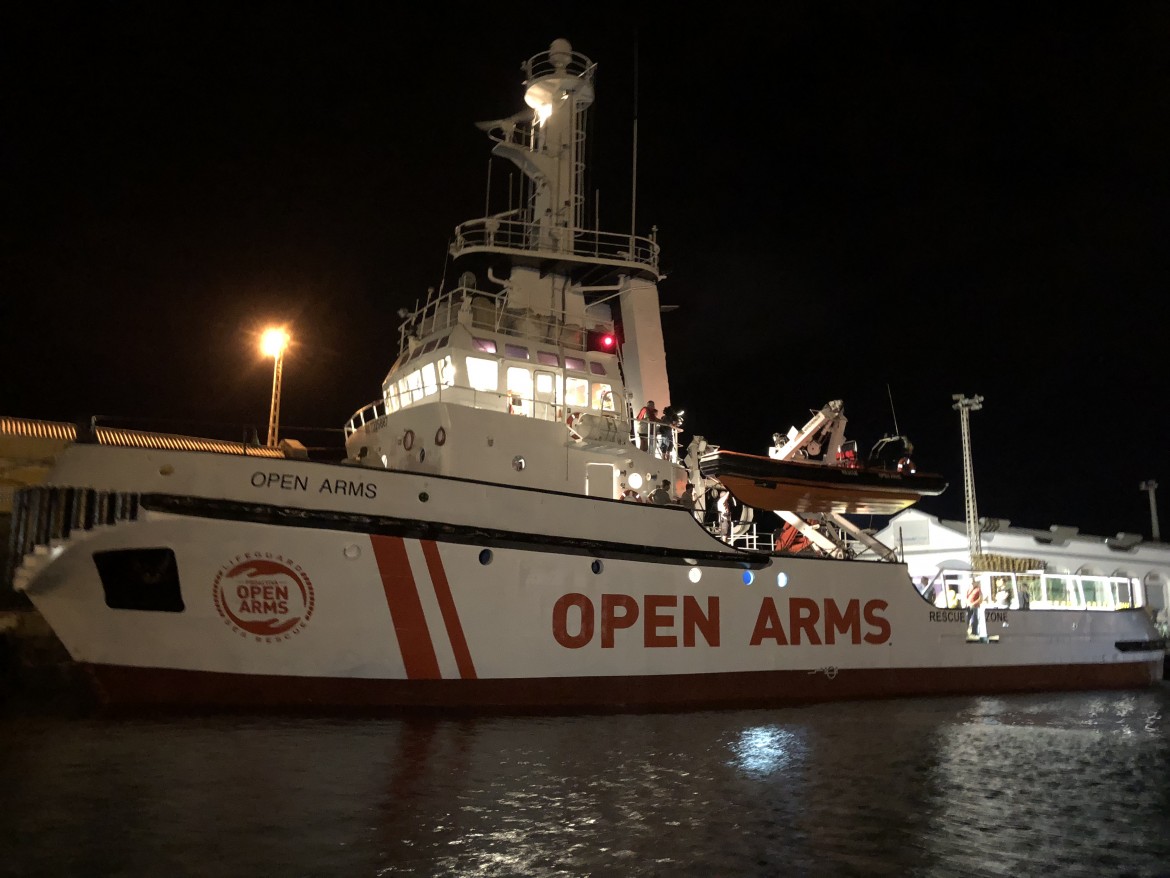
[[1152, 488], [273, 343]]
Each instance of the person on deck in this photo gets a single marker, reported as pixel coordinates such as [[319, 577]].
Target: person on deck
[[647, 434], [976, 619], [661, 494]]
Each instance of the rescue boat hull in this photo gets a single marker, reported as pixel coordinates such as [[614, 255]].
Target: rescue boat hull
[[808, 488]]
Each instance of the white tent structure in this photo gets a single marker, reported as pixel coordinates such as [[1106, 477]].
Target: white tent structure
[[1079, 569]]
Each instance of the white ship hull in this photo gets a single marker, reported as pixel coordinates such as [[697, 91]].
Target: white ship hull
[[294, 593]]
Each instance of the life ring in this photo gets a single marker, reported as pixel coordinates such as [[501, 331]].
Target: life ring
[[440, 436], [408, 440], [571, 421], [630, 494]]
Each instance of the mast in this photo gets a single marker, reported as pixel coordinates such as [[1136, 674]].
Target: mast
[[563, 274]]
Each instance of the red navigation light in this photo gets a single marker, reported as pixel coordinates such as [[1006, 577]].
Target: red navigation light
[[604, 341]]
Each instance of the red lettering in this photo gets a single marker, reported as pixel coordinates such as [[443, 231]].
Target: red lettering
[[877, 621], [768, 625], [653, 620], [610, 621], [848, 622], [694, 620], [560, 621], [803, 614]]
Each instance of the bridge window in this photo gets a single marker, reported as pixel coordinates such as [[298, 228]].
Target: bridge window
[[487, 345], [516, 352], [576, 392], [603, 398], [547, 358], [575, 363], [392, 398], [483, 374], [414, 384], [519, 391], [597, 368], [430, 385], [446, 372]]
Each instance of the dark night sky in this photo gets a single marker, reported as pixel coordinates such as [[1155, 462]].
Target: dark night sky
[[854, 201]]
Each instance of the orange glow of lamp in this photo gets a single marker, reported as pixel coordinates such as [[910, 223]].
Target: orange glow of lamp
[[273, 343]]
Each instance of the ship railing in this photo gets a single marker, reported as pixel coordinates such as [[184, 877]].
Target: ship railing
[[479, 309], [572, 64], [521, 237], [657, 437]]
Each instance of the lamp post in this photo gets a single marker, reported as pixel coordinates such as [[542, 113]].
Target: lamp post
[[1151, 486], [273, 343]]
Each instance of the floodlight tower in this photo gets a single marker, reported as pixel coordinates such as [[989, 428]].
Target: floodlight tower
[[965, 406], [273, 344], [1152, 487]]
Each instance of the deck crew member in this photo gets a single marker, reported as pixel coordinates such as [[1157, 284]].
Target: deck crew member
[[976, 619]]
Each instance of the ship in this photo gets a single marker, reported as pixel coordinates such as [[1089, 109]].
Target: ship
[[502, 531]]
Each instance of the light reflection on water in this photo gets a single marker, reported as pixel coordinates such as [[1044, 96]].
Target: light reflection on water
[[1027, 785]]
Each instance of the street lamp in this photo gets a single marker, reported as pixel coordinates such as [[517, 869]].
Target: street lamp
[[273, 343]]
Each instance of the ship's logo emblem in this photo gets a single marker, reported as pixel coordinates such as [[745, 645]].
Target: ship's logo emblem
[[265, 595]]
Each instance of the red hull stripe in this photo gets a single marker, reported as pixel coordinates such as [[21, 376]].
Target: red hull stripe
[[414, 639], [163, 687], [447, 606]]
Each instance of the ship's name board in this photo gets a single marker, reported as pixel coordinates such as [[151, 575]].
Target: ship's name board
[[293, 482], [961, 616], [668, 620]]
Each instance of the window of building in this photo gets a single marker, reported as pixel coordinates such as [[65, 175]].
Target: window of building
[[483, 374]]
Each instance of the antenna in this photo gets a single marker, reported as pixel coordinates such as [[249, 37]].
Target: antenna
[[890, 393], [487, 197], [634, 176]]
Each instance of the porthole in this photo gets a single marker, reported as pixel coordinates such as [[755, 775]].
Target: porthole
[[422, 455], [782, 579], [352, 551], [440, 436], [748, 577], [485, 557], [424, 497], [694, 574], [596, 566], [408, 440]]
